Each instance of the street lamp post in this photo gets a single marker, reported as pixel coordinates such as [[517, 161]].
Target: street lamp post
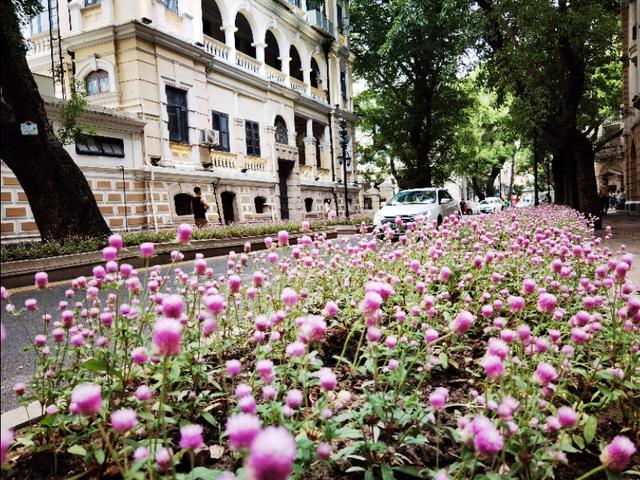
[[345, 160]]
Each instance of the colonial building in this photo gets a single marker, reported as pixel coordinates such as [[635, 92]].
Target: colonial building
[[631, 120], [241, 98]]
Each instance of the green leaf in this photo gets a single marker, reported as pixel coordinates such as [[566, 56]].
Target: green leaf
[[387, 472], [209, 418], [578, 440], [77, 450], [369, 474], [200, 473], [590, 427], [409, 470], [96, 365], [444, 360], [612, 475], [99, 456]]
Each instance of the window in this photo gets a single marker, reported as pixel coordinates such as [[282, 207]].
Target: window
[[40, 23], [259, 203], [340, 19], [182, 202], [252, 132], [308, 204], [343, 84], [105, 146], [282, 136], [221, 123], [88, 3], [445, 197], [177, 113], [97, 82], [368, 203], [171, 5], [318, 153]]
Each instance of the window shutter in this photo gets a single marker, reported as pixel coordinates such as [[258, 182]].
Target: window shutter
[[224, 132]]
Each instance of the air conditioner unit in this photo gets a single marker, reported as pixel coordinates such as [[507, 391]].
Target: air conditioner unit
[[210, 137]]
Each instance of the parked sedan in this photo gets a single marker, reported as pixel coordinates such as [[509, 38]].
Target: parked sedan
[[490, 205], [431, 203]]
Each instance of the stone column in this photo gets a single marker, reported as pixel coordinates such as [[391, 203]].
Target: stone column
[[285, 68], [272, 164], [306, 77], [107, 11], [160, 15], [230, 41], [75, 15], [260, 46]]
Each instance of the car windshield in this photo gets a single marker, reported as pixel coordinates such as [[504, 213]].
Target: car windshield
[[411, 197]]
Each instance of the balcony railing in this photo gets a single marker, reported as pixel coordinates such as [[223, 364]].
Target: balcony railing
[[317, 19], [216, 48], [256, 164], [39, 47], [247, 62], [318, 94], [297, 85], [306, 171], [274, 75], [223, 159]]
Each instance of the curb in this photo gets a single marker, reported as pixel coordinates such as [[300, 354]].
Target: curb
[[21, 416], [20, 273]]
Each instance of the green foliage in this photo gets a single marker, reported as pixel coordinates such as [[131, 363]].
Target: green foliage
[[409, 54], [71, 129]]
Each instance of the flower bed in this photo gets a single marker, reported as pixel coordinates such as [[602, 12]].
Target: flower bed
[[502, 346], [32, 250]]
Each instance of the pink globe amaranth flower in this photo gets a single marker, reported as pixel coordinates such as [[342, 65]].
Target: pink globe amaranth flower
[[40, 340], [233, 367], [516, 304], [391, 341], [234, 283], [209, 327], [123, 419], [327, 378], [139, 355], [493, 366], [20, 388], [324, 451], [393, 364], [579, 336], [305, 226], [269, 393], [141, 453], [616, 456], [313, 328], [115, 241], [445, 274], [462, 322], [147, 249], [265, 368], [87, 398], [52, 409], [144, 393], [508, 405], [547, 303], [31, 304], [248, 404], [567, 417], [241, 430], [488, 440], [41, 280], [545, 374], [331, 309], [167, 334], [6, 437], [184, 233], [438, 398], [296, 349], [294, 398], [243, 390], [215, 304], [163, 459], [528, 286], [4, 293], [374, 334], [372, 301], [191, 436], [3, 333], [173, 306], [109, 254], [272, 454], [283, 238], [289, 296]]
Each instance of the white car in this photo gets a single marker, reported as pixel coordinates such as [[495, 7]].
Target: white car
[[524, 203], [431, 203], [490, 205]]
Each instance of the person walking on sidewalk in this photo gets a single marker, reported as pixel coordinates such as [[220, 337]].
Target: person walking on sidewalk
[[603, 193], [199, 206]]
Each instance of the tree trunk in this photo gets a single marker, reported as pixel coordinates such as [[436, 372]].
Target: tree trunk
[[587, 188], [477, 189], [490, 188], [62, 203]]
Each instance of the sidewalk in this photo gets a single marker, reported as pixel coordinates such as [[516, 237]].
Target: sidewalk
[[625, 229]]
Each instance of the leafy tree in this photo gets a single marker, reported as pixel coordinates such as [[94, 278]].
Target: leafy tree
[[60, 198], [71, 130], [409, 52], [561, 62]]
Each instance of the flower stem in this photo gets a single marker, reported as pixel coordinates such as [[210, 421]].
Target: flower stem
[[591, 472]]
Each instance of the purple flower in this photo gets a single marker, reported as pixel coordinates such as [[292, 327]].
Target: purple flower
[[141, 453], [545, 374], [323, 451], [296, 349], [191, 436], [328, 379], [567, 416], [116, 241], [330, 309], [144, 393], [6, 437], [294, 398], [167, 336], [438, 398], [374, 334], [241, 430], [283, 238], [547, 303], [516, 304], [493, 366], [617, 454], [247, 404], [289, 296], [272, 454], [233, 367], [215, 304], [147, 249], [86, 398], [139, 355], [184, 233], [507, 407], [41, 280], [488, 440], [372, 301], [123, 419], [172, 306], [462, 322], [163, 459], [109, 254]]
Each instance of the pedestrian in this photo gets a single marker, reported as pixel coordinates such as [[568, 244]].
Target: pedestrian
[[199, 206], [603, 193], [328, 211], [620, 199]]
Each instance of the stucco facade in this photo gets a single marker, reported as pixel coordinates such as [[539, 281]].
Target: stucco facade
[[271, 77]]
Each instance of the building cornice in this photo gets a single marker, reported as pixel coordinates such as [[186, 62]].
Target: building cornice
[[99, 116]]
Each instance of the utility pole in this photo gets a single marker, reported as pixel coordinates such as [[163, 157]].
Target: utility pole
[[345, 161]]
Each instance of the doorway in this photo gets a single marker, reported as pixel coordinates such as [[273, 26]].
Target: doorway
[[284, 170], [228, 206]]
